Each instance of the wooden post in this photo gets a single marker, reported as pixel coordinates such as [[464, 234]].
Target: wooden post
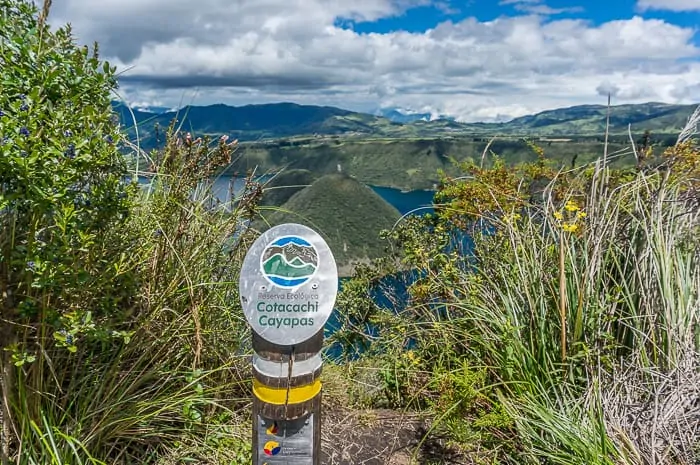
[[287, 313]]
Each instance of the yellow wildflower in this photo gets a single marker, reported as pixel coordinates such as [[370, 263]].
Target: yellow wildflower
[[570, 227], [580, 214], [558, 216], [412, 357], [571, 206]]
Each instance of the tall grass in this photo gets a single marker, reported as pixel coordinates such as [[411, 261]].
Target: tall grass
[[168, 377], [631, 287], [581, 300]]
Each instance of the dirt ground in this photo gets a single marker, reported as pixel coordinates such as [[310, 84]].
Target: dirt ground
[[380, 437]]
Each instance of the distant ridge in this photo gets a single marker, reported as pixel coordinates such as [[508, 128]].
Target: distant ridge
[[289, 120]]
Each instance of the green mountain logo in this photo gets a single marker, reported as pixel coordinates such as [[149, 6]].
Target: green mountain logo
[[289, 261]]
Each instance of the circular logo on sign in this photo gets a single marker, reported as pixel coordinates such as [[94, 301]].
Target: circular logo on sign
[[289, 261], [288, 284], [272, 448]]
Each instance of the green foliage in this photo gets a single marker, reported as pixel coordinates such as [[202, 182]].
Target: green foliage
[[223, 445], [119, 304], [576, 281], [62, 197], [683, 160], [559, 429], [63, 277]]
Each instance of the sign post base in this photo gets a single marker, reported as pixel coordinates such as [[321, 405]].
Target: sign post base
[[288, 442], [288, 286]]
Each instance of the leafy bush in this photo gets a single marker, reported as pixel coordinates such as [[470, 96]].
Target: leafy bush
[[62, 200], [575, 291], [119, 315]]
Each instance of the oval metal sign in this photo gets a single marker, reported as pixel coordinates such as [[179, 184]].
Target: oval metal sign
[[288, 284]]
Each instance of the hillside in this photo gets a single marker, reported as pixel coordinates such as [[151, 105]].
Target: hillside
[[254, 122], [284, 185], [287, 120], [410, 163], [407, 155], [590, 119], [346, 213]]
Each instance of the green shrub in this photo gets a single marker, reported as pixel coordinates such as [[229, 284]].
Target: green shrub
[[580, 294], [62, 201], [120, 324], [62, 198]]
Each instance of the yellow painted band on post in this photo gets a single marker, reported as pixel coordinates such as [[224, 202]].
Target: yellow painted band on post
[[278, 396]]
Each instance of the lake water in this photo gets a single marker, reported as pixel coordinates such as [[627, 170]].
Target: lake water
[[420, 202], [404, 201], [411, 202]]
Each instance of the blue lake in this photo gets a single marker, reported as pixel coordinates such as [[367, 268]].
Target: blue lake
[[419, 202], [406, 202]]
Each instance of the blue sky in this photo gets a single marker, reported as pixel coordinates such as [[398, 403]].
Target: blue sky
[[596, 11], [474, 60]]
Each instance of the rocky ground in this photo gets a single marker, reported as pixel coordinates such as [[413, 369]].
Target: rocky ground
[[381, 437]]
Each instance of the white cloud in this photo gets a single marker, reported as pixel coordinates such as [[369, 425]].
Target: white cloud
[[669, 5], [539, 7], [254, 51], [608, 88]]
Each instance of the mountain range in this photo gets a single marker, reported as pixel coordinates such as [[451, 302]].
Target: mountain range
[[288, 120]]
